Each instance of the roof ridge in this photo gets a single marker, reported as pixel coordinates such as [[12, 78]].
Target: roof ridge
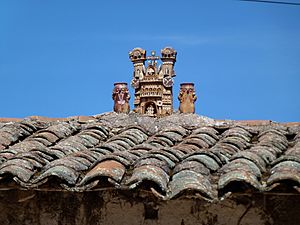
[[82, 118]]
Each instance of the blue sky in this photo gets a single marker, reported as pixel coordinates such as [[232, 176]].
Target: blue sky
[[61, 58]]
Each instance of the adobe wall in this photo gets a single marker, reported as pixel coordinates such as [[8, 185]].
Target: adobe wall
[[119, 208]]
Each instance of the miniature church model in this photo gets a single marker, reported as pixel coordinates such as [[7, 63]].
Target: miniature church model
[[153, 83]]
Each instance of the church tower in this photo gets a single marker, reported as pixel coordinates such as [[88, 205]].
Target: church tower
[[153, 83]]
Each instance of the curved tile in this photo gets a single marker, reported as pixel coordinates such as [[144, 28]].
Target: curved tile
[[14, 132], [284, 158], [285, 165], [98, 128], [146, 173], [277, 151], [91, 156], [206, 138], [286, 170], [183, 149], [295, 150], [62, 130], [104, 148], [167, 152], [140, 136], [31, 126], [18, 162], [186, 148], [242, 164], [5, 140], [138, 153], [122, 143], [108, 168], [53, 153], [237, 178], [207, 160], [26, 146], [69, 145], [211, 154], [172, 138], [134, 128], [176, 153], [157, 142], [126, 138], [37, 158], [207, 130], [236, 130], [272, 132], [126, 158], [228, 148], [163, 157], [88, 140], [43, 141], [62, 172], [15, 170], [70, 162], [178, 129], [42, 157], [192, 166], [152, 161], [235, 141], [259, 162], [164, 138], [143, 146], [98, 134], [222, 155], [51, 137], [264, 153], [189, 181], [241, 136], [199, 143], [114, 146], [77, 141]]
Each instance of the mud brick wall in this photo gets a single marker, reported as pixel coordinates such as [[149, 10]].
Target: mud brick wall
[[119, 208]]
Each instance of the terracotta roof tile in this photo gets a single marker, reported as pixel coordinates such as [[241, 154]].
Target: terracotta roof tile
[[175, 156]]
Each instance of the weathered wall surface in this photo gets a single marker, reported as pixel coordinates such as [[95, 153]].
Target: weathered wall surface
[[116, 208]]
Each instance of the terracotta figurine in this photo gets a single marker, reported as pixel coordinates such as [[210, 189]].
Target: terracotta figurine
[[121, 98], [187, 98]]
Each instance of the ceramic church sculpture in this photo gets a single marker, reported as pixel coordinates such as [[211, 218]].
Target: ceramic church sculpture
[[153, 83]]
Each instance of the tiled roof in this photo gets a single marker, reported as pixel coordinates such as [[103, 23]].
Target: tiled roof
[[179, 155]]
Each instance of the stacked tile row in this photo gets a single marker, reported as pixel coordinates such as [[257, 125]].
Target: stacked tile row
[[245, 169], [70, 169], [285, 171], [45, 147], [153, 168], [12, 133]]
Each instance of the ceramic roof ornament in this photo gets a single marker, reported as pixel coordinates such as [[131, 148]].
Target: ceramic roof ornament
[[121, 98], [187, 98], [153, 83]]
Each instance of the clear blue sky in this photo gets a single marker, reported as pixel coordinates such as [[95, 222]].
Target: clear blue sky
[[61, 58]]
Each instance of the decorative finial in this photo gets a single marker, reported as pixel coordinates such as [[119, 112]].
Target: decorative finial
[[187, 98], [121, 98]]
